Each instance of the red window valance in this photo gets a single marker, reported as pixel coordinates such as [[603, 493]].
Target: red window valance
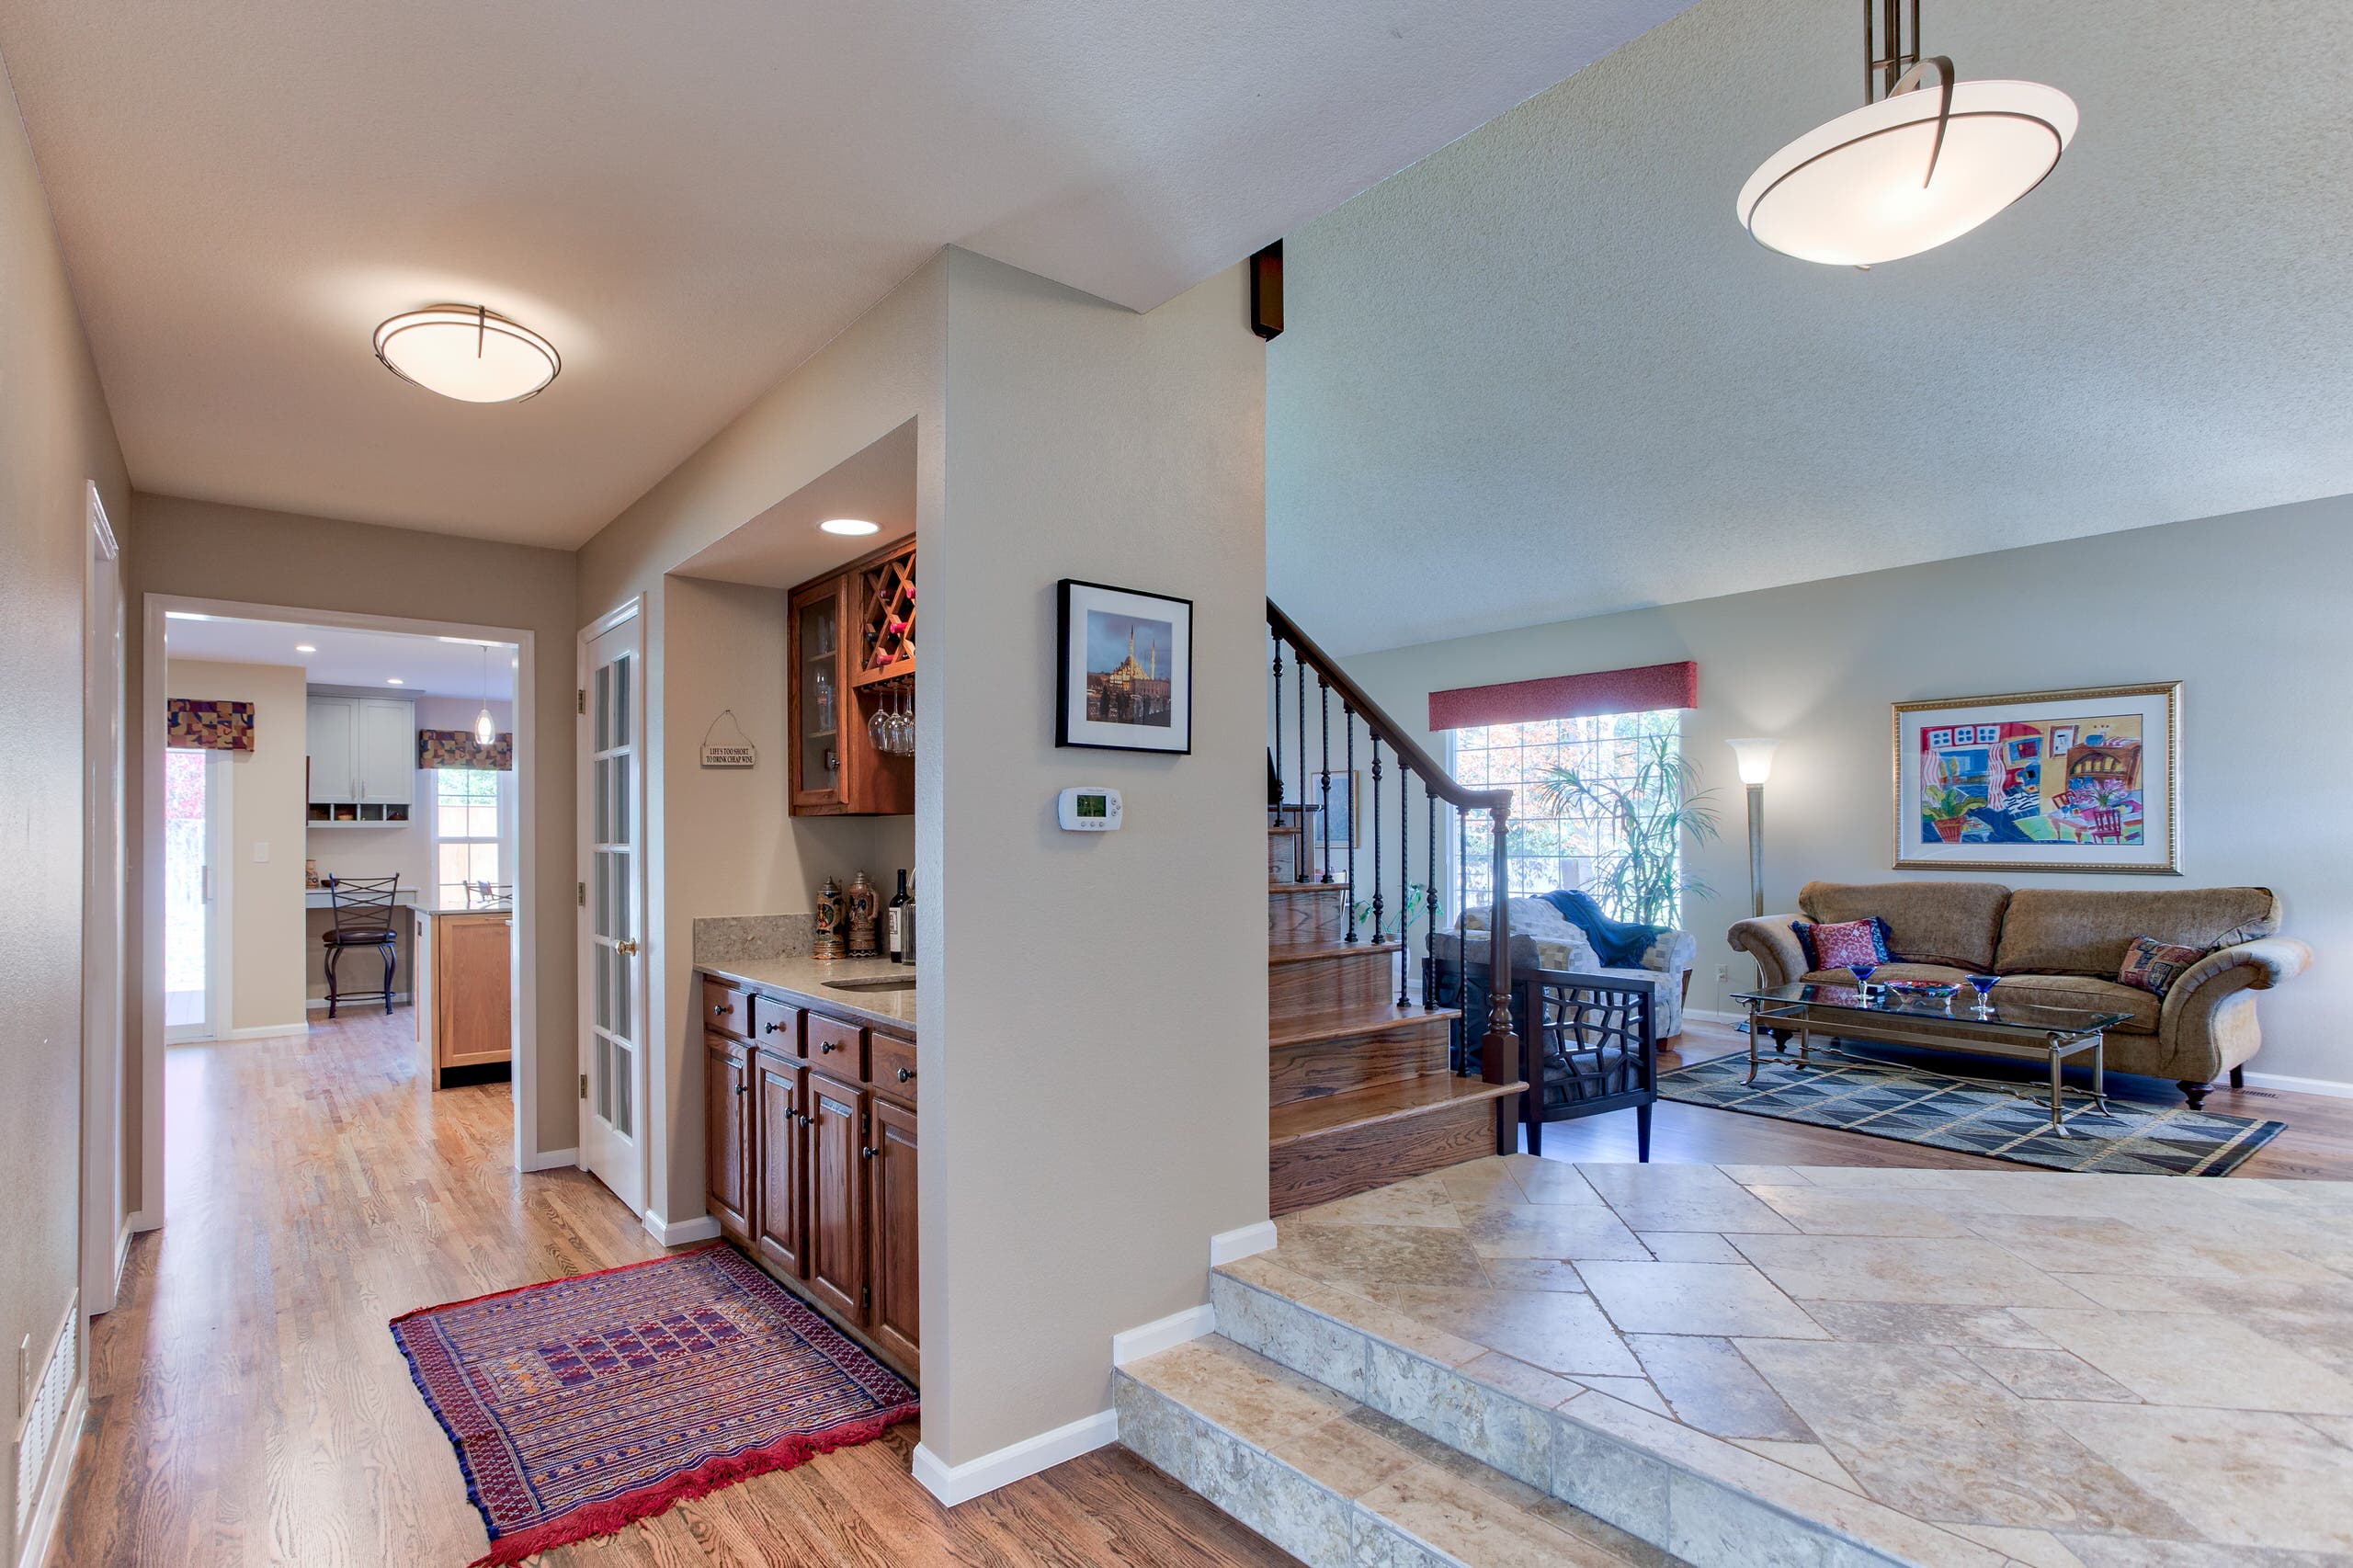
[[1642, 690]]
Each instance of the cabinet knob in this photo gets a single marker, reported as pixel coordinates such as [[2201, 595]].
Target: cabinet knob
[[824, 1045], [719, 1009], [773, 1026], [741, 1087], [866, 1153], [905, 1073]]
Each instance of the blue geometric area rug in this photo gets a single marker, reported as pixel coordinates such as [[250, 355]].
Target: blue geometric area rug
[[1912, 1106]]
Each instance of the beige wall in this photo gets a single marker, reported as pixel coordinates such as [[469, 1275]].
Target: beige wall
[[54, 438], [247, 555], [267, 937], [2248, 611], [883, 370], [1093, 1013]]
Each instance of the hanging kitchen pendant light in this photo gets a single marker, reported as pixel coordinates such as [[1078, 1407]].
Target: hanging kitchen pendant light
[[485, 727], [1915, 166], [468, 352]]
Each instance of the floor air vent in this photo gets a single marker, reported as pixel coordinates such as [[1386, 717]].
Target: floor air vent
[[42, 1395]]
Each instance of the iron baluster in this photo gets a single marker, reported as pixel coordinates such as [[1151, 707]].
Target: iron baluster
[[1349, 744], [1276, 751], [1323, 825], [1299, 657], [1404, 869], [1373, 820], [1462, 951], [1430, 880]]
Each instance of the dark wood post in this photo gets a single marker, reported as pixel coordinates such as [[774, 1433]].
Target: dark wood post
[[1498, 1046]]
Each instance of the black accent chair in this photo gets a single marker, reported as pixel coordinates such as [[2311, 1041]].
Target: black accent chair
[[365, 909], [1594, 1048]]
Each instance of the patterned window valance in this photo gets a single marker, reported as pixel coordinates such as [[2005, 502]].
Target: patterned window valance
[[1650, 688], [201, 725], [458, 748]]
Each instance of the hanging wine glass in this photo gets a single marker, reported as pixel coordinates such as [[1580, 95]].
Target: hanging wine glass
[[878, 728]]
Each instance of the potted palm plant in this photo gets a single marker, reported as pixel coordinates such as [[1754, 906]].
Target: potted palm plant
[[1651, 811], [1947, 810]]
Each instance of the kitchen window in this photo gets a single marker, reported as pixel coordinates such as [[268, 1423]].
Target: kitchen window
[[465, 830]]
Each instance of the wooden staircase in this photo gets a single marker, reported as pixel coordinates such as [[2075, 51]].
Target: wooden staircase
[[1360, 1087]]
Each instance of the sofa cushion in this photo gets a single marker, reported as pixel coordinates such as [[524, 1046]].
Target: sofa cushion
[[2086, 992], [2154, 966], [1945, 922], [1845, 943], [2086, 931]]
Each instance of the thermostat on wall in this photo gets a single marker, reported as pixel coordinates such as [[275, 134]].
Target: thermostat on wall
[[1089, 807]]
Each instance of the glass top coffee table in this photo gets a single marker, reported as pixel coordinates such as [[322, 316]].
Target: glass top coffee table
[[2023, 1031]]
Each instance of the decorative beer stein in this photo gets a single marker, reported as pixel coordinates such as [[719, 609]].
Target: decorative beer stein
[[865, 902], [828, 944]]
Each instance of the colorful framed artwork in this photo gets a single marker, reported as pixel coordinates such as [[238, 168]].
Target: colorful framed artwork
[[2085, 780], [1124, 676]]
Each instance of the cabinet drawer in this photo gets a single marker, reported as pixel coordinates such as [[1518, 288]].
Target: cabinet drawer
[[894, 1063], [725, 1008], [835, 1046], [775, 1026]]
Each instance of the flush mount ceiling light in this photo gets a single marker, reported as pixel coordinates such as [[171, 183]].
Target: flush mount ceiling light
[[468, 353], [1915, 166], [304, 648], [849, 525]]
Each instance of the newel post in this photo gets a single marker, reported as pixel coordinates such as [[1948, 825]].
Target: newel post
[[1499, 1047]]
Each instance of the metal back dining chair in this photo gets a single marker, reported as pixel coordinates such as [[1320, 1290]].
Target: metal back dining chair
[[365, 909]]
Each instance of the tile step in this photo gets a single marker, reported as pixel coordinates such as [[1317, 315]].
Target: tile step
[[1339, 1485], [1623, 1465]]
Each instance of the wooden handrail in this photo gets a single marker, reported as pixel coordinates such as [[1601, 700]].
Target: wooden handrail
[[1409, 751], [1499, 1046]]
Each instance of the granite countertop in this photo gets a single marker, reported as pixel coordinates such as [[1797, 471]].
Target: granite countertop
[[804, 980]]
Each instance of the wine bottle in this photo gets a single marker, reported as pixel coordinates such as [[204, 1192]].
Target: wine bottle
[[907, 920], [898, 941]]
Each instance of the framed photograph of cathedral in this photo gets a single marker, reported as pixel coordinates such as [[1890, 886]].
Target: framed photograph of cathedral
[[1124, 676]]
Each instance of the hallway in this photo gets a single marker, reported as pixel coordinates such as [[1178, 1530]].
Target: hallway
[[247, 1405]]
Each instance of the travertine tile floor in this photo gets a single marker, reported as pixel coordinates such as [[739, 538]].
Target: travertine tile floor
[[2067, 1369]]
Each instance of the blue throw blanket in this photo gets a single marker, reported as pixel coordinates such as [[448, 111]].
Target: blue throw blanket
[[1617, 944]]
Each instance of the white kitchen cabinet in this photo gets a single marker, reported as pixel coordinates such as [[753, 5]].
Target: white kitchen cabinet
[[335, 749], [363, 752]]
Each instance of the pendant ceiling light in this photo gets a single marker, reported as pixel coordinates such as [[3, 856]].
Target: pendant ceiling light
[[468, 353], [1915, 166], [485, 727]]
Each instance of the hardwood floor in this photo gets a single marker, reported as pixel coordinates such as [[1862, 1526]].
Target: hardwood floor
[[247, 1405], [2317, 1145]]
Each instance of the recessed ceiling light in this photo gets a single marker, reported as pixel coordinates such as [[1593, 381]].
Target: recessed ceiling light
[[468, 352], [1920, 166], [395, 680], [304, 648], [849, 525]]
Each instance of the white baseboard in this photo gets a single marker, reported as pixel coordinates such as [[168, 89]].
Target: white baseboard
[[122, 1251], [2286, 1084], [549, 1159], [41, 1534], [1161, 1333], [266, 1031], [319, 1003], [961, 1483], [701, 1227], [1228, 1247], [1706, 1017]]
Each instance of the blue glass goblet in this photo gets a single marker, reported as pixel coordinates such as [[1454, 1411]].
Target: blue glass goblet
[[1983, 983], [1862, 973]]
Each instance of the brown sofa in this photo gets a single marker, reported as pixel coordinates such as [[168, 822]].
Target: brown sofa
[[2063, 946]]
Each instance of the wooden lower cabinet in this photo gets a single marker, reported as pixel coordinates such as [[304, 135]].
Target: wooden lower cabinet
[[782, 1216], [810, 1163], [890, 1275], [727, 1133], [837, 1240]]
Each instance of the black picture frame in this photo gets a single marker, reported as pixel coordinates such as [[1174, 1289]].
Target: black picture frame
[[1075, 599]]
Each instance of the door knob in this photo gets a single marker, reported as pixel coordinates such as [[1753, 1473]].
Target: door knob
[[627, 949]]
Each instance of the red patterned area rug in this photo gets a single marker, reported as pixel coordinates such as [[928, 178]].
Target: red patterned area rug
[[580, 1404]]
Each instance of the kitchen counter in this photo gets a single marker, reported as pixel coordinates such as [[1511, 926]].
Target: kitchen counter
[[804, 981]]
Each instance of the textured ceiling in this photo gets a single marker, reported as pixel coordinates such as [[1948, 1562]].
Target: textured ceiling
[[689, 199], [1548, 355]]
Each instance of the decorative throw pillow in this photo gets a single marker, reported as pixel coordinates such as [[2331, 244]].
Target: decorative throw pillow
[[2154, 966], [1846, 942]]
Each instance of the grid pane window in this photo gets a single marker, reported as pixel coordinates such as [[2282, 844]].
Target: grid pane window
[[465, 830], [1548, 850]]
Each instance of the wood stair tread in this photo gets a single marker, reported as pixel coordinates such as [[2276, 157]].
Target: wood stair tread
[[1378, 1103], [1318, 952], [1341, 1023]]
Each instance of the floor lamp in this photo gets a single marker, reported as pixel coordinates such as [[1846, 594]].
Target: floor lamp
[[1755, 755]]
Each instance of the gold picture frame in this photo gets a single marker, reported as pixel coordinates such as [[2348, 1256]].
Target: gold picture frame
[[2086, 778]]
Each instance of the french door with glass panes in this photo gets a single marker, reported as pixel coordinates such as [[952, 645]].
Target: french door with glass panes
[[612, 914]]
